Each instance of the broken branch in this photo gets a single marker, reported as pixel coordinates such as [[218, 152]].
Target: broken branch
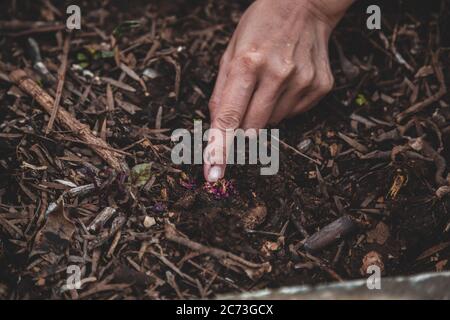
[[114, 159]]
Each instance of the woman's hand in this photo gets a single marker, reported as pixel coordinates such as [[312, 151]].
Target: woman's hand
[[276, 66]]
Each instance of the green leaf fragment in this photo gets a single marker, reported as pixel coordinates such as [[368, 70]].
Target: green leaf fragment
[[126, 26], [81, 56], [141, 173], [107, 54], [360, 100]]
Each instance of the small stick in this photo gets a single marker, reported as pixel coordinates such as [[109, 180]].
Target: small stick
[[352, 142], [439, 161], [98, 146], [419, 106], [114, 243], [172, 266], [299, 226], [364, 121], [297, 151], [253, 270], [114, 159], [101, 219], [42, 29], [322, 265], [393, 134], [338, 253], [20, 25], [38, 64], [61, 79], [385, 155]]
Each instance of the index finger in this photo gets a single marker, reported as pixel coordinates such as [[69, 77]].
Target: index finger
[[227, 116]]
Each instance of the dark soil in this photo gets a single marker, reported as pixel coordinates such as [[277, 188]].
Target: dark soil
[[395, 198]]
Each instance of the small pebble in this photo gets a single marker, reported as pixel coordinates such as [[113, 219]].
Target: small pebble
[[149, 222], [304, 145], [150, 73]]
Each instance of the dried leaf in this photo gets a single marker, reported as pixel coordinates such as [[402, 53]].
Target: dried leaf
[[435, 249], [379, 234], [56, 233], [127, 106], [254, 217]]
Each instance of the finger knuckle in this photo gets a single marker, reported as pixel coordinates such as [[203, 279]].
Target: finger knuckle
[[229, 118], [305, 78], [247, 62], [307, 75], [326, 84], [282, 73]]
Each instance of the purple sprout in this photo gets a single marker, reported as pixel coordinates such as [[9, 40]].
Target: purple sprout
[[158, 207], [221, 189]]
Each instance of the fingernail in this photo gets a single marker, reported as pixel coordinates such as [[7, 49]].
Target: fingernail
[[214, 174]]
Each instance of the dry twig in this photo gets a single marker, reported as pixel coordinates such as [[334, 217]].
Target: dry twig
[[253, 270], [419, 106], [114, 159], [61, 78]]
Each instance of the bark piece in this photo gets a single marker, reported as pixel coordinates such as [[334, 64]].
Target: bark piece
[[330, 233]]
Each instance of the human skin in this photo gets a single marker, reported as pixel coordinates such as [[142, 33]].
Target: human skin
[[275, 66]]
